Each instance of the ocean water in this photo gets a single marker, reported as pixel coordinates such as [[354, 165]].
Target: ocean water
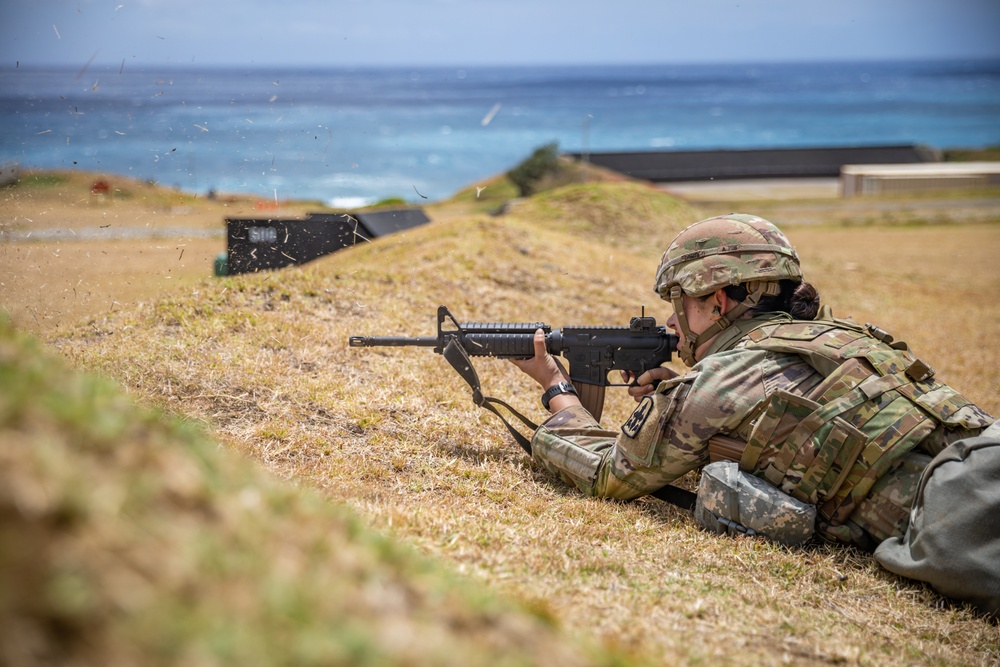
[[350, 136]]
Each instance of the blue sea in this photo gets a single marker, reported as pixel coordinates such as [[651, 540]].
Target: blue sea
[[352, 136]]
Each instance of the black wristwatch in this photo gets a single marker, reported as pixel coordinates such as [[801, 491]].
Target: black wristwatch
[[555, 390]]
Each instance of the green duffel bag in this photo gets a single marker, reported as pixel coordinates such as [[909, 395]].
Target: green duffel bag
[[953, 540]]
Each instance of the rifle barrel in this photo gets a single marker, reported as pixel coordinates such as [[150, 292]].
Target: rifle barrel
[[391, 341]]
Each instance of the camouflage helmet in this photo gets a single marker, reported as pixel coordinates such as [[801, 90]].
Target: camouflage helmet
[[732, 249], [726, 250]]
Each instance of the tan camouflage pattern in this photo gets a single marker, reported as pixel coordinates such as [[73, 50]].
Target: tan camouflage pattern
[[885, 512], [734, 502], [877, 403], [715, 397], [774, 388], [726, 250]]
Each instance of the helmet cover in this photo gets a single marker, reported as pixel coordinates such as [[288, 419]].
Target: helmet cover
[[726, 250]]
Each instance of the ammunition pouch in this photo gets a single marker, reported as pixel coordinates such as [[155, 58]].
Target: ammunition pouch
[[734, 502]]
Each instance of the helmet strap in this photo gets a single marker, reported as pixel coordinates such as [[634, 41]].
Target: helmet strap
[[686, 350]]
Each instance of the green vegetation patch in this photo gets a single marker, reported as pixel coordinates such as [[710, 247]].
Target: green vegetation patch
[[45, 179], [988, 154], [487, 195], [625, 214]]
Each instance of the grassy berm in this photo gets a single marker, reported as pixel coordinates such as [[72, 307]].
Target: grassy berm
[[177, 551], [127, 537]]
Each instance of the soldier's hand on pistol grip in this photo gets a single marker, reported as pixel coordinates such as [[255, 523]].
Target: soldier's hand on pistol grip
[[645, 384]]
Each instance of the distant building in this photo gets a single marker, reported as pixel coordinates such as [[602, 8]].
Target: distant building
[[258, 244], [876, 179]]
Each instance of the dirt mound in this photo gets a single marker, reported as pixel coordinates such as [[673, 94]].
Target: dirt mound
[[626, 214]]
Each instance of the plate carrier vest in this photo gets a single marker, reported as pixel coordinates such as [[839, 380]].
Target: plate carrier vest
[[876, 403]]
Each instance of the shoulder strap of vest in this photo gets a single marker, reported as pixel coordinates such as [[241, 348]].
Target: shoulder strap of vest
[[824, 344], [738, 330]]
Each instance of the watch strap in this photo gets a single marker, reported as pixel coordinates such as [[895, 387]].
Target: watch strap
[[555, 390]]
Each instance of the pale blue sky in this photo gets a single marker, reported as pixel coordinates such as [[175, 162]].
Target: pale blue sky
[[477, 32]]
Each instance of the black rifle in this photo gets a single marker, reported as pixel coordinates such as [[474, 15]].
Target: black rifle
[[592, 353]]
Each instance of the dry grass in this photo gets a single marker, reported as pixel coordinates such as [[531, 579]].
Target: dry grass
[[112, 250], [49, 285], [128, 538], [263, 359], [930, 286]]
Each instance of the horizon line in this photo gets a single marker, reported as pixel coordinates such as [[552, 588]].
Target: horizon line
[[844, 60]]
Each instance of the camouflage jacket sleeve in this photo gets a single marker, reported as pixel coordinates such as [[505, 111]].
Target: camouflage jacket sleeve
[[667, 434]]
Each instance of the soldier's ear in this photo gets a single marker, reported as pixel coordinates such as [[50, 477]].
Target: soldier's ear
[[720, 304]]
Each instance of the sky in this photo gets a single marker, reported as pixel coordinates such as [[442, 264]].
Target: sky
[[332, 33]]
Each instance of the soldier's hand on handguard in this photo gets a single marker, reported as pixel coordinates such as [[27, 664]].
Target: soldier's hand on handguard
[[645, 384], [543, 368]]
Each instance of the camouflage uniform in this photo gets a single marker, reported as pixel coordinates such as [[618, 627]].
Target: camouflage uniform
[[794, 391]]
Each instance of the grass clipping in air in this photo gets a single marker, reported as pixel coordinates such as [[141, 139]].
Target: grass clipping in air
[[393, 432]]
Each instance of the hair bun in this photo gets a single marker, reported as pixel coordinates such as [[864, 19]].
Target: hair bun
[[805, 302]]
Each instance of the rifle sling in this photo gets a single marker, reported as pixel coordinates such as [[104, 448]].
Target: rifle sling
[[676, 496], [460, 361]]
